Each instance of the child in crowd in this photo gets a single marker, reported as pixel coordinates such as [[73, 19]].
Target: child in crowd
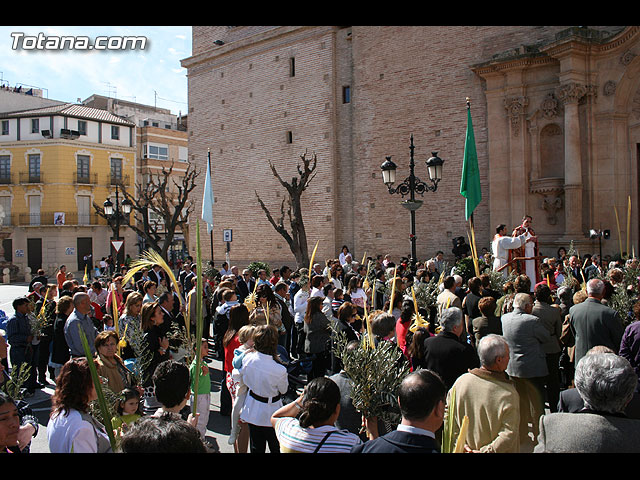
[[204, 389], [338, 300], [107, 321], [245, 337], [128, 409]]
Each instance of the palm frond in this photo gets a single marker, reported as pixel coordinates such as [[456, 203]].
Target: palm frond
[[104, 408], [199, 323], [148, 259], [393, 289], [313, 256]]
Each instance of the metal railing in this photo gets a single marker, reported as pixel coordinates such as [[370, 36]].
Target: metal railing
[[26, 177], [7, 179], [55, 218], [119, 180], [88, 179]]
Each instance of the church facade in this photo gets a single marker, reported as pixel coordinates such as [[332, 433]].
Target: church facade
[[556, 117]]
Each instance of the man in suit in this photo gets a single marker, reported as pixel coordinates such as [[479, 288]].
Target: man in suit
[[606, 382], [594, 269], [421, 398], [245, 285], [526, 334], [593, 323], [446, 354], [551, 317], [575, 269], [156, 274], [281, 290], [166, 302]]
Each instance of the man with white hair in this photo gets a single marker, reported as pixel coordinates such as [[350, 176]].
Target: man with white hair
[[446, 353], [80, 318], [527, 367], [488, 397], [593, 323], [606, 382]]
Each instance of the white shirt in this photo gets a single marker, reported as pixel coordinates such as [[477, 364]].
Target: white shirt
[[67, 432], [316, 292], [300, 305], [266, 378], [358, 297], [415, 430], [500, 245]]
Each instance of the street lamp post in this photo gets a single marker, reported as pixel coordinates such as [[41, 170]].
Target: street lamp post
[[412, 185], [116, 213]]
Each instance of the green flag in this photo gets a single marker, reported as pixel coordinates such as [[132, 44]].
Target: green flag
[[470, 182]]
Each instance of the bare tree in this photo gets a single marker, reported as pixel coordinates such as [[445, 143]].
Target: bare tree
[[171, 206], [291, 207]]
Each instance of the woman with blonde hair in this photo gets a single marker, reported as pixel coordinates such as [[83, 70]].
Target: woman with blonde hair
[[129, 321]]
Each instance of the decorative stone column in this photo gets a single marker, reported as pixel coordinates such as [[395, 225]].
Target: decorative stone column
[[570, 94]]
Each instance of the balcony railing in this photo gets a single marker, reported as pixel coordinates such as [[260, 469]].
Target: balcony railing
[[56, 218], [7, 179], [122, 180], [26, 177], [88, 179]]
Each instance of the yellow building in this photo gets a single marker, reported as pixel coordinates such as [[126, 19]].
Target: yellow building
[[55, 163], [162, 143]]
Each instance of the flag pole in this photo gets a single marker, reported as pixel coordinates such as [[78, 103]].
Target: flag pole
[[474, 251], [209, 168]]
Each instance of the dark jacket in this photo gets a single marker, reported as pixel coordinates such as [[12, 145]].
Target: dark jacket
[[243, 289], [59, 347], [630, 346], [593, 323], [399, 442], [486, 325], [318, 334], [285, 314], [446, 355]]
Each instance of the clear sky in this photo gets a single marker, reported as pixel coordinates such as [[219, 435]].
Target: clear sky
[[151, 75]]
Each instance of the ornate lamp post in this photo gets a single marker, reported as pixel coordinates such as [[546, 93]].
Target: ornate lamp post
[[116, 213], [412, 185]]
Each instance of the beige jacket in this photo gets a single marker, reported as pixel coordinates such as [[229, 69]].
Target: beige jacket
[[491, 402]]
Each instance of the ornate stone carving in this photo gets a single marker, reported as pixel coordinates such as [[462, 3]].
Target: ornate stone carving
[[552, 204], [515, 109], [627, 57], [571, 92], [549, 106], [551, 129], [609, 88], [551, 189]]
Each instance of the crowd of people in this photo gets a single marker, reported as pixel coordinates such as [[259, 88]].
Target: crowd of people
[[521, 360]]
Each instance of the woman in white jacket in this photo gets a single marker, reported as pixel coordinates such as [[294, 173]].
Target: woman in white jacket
[[71, 428], [267, 382]]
